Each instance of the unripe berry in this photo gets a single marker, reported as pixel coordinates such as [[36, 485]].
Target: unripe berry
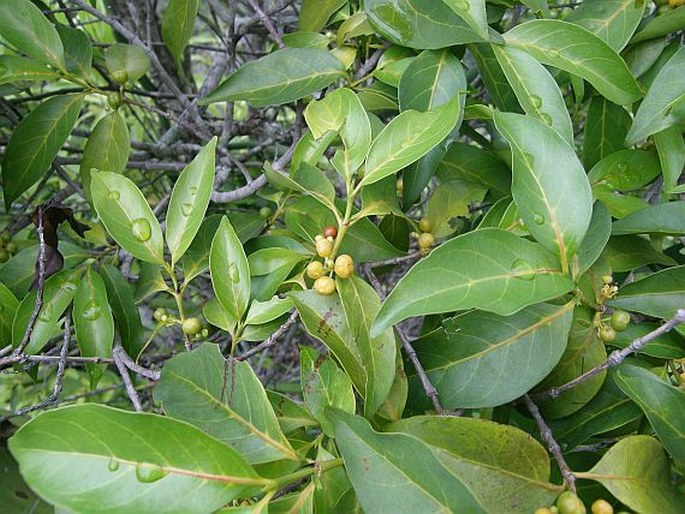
[[265, 212], [569, 503], [425, 225], [11, 247], [602, 507], [543, 510], [314, 270], [324, 286], [4, 256], [344, 266], [620, 320], [426, 240], [161, 314], [114, 99], [120, 76], [191, 326], [324, 247], [607, 334]]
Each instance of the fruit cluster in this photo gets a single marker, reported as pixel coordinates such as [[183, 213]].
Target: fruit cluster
[[192, 327], [7, 247], [425, 239], [321, 272], [569, 503]]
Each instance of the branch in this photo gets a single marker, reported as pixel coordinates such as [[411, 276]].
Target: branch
[[272, 339], [120, 353], [123, 371]]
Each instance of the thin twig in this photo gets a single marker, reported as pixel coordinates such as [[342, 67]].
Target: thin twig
[[427, 385], [552, 444], [267, 23], [130, 388], [120, 353], [271, 340]]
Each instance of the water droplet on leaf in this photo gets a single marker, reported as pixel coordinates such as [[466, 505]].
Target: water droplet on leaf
[[233, 274], [45, 313], [538, 218], [186, 209], [546, 118], [148, 473], [553, 53], [537, 101], [193, 190], [463, 5], [113, 464], [114, 195], [141, 229], [522, 269], [622, 167], [92, 311]]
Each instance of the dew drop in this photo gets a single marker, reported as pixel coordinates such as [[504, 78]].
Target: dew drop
[[463, 5], [186, 209], [92, 311], [114, 195], [45, 313], [546, 118], [113, 464], [537, 101], [538, 218], [193, 190], [148, 473], [522, 269], [233, 274], [141, 229], [622, 167], [553, 53], [68, 287]]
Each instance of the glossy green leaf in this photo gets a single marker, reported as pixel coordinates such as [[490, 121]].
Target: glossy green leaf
[[473, 13], [269, 267], [9, 307], [670, 345], [216, 315], [177, 25], [577, 50], [628, 252], [93, 321], [16, 69], [626, 170], [129, 58], [291, 414], [661, 25], [229, 270], [511, 476], [671, 148], [107, 149], [614, 21], [595, 240], [549, 184], [663, 218], [196, 258], [408, 137], [189, 201], [58, 293], [35, 142], [125, 462], [15, 496], [449, 202], [279, 77], [583, 352], [536, 89], [656, 112], [397, 472], [606, 126], [263, 312], [126, 315], [432, 79], [636, 471], [361, 303], [468, 162], [315, 13], [78, 50], [127, 216], [417, 24], [608, 410], [468, 359], [496, 83], [24, 26], [660, 294], [324, 384], [486, 269], [341, 111], [226, 400]]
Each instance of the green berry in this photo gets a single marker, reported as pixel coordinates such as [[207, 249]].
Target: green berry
[[569, 503], [192, 326], [265, 213], [4, 256], [607, 334], [314, 270], [425, 225], [602, 507], [114, 99], [161, 314], [620, 320], [120, 76], [426, 240], [11, 247]]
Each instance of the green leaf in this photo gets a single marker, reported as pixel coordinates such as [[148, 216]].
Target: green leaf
[[58, 292], [78, 50], [583, 352], [16, 69], [486, 269], [229, 270], [656, 112], [614, 21], [196, 258], [626, 170], [177, 25], [25, 27], [496, 83], [606, 126], [536, 89], [127, 216], [126, 315], [549, 184], [671, 148], [578, 51], [279, 77], [341, 111], [215, 314], [666, 346], [636, 471], [660, 294], [450, 202], [129, 58], [107, 149], [397, 472], [35, 142], [324, 385], [408, 137], [663, 218], [511, 476], [226, 400], [468, 359], [626, 253], [315, 13], [8, 310], [468, 162], [125, 462], [263, 312], [419, 24], [93, 322], [595, 240], [473, 13], [661, 25], [189, 201], [361, 303], [269, 267]]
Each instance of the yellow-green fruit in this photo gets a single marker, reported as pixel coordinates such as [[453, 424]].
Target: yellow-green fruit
[[344, 266], [314, 270], [4, 256], [324, 286], [426, 240], [607, 334], [676, 3], [192, 326], [11, 247], [324, 247], [114, 99], [265, 212], [569, 503], [5, 236], [160, 314], [602, 507], [425, 225], [120, 76], [543, 510], [620, 320]]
